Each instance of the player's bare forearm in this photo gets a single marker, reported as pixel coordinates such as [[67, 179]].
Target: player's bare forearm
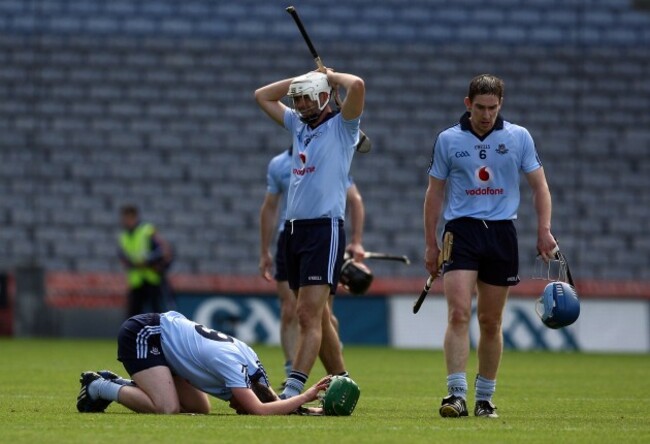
[[348, 81], [357, 214], [432, 206], [273, 92], [269, 99], [268, 216], [543, 207], [254, 406], [355, 91]]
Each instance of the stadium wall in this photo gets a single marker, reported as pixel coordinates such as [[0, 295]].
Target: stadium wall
[[615, 316]]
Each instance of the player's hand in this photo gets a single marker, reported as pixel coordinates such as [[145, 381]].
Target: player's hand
[[356, 250], [331, 78], [266, 264], [546, 246], [312, 392], [310, 411], [431, 260]]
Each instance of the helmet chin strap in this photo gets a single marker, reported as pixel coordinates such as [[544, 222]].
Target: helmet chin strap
[[315, 116]]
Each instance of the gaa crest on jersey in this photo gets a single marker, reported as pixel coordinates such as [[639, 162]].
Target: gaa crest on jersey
[[502, 149]]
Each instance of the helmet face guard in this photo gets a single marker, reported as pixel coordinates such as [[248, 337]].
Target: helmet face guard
[[355, 277], [310, 85]]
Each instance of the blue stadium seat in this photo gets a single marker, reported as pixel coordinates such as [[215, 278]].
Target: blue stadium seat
[[107, 102]]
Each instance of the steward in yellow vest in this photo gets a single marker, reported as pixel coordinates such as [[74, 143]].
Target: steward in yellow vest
[[137, 247], [146, 256]]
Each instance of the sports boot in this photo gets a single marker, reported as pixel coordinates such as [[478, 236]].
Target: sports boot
[[453, 407], [485, 409], [85, 404]]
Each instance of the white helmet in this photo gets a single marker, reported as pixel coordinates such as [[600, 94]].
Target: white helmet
[[311, 85]]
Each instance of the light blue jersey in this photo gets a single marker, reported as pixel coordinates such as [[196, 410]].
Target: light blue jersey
[[209, 360], [482, 174], [278, 175], [320, 166]]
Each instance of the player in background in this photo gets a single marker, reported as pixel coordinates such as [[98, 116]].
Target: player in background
[[324, 142], [175, 363], [146, 256], [474, 185], [274, 209]]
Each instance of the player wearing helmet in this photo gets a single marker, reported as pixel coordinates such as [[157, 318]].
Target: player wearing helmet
[[474, 172], [310, 94], [274, 209], [324, 142]]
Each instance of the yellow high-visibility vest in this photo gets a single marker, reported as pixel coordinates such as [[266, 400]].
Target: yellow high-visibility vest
[[136, 246]]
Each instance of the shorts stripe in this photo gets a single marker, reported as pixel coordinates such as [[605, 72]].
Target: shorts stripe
[[142, 347], [334, 246]]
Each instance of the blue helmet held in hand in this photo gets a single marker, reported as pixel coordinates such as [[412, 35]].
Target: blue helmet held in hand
[[558, 305]]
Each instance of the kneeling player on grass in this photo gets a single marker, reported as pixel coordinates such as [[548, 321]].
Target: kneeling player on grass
[[175, 363]]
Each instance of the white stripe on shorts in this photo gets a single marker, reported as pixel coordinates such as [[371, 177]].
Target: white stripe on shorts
[[334, 248], [141, 340]]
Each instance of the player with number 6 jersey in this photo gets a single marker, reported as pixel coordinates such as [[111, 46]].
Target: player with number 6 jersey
[[175, 363], [474, 184]]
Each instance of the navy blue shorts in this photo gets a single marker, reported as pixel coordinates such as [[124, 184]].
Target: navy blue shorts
[[280, 263], [138, 343], [314, 250], [491, 247]]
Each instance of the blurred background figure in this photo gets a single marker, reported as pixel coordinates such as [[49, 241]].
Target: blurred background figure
[[146, 256]]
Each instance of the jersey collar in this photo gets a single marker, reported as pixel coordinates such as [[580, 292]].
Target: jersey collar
[[465, 125], [327, 117]]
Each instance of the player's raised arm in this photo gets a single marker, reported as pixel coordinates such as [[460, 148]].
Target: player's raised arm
[[355, 91], [269, 98]]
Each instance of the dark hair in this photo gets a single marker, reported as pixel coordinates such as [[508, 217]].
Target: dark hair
[[129, 210], [263, 392], [485, 84]]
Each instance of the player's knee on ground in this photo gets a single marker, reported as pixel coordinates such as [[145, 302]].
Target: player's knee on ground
[[167, 409], [197, 409]]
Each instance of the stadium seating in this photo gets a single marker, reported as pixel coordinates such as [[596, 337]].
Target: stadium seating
[[151, 102]]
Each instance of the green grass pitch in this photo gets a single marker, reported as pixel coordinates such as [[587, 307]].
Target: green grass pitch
[[542, 398]]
